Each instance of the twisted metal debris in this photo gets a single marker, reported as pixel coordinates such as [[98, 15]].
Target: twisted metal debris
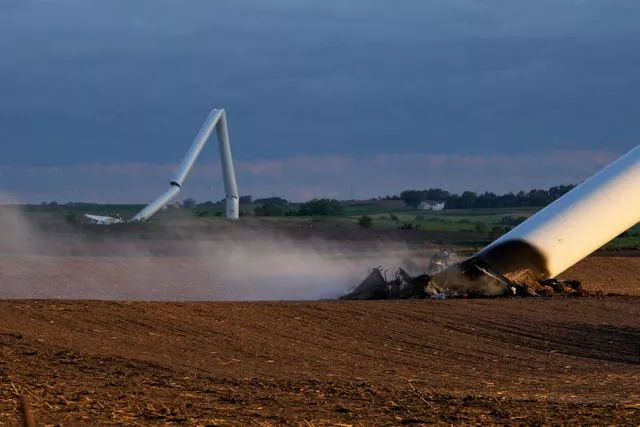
[[468, 279]]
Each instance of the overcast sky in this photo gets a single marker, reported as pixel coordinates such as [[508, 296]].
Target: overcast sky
[[99, 100]]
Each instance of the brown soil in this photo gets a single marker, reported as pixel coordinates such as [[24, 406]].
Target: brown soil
[[608, 274], [384, 362], [506, 361]]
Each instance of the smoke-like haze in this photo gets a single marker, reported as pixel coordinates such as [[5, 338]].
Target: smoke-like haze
[[276, 268], [16, 235], [234, 264]]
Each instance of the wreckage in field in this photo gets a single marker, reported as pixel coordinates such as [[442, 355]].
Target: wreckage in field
[[526, 260], [405, 286]]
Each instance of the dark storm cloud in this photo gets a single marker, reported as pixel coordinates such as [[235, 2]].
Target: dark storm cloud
[[120, 82]]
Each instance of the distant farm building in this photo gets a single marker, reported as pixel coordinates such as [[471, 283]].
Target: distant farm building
[[430, 205]]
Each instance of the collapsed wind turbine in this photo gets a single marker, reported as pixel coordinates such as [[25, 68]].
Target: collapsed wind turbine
[[536, 251], [217, 120], [561, 234]]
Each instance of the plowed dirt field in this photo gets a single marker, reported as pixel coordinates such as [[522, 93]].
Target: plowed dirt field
[[453, 362]]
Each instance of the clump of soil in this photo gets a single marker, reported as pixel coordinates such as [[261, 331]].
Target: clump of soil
[[553, 287], [526, 285]]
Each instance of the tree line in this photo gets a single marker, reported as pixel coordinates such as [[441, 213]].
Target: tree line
[[470, 200], [278, 206], [537, 198]]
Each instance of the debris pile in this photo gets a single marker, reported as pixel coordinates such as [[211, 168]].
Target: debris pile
[[480, 282], [401, 286]]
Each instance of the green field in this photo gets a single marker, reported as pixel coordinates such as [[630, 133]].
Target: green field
[[484, 224]]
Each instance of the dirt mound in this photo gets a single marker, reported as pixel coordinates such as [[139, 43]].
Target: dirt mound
[[554, 287]]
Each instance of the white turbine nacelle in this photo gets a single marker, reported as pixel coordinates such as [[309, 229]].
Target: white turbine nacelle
[[217, 120], [104, 220]]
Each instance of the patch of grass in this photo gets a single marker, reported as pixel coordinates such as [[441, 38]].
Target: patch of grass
[[370, 210], [628, 242]]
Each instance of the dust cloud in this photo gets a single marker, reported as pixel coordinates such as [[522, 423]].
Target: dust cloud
[[16, 234], [232, 264], [281, 269]]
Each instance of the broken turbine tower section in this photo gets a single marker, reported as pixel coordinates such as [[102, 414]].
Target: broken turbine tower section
[[217, 120], [572, 227], [526, 260]]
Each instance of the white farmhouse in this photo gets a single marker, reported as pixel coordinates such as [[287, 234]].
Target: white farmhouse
[[430, 205]]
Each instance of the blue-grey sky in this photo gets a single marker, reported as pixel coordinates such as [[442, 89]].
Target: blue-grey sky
[[99, 100]]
